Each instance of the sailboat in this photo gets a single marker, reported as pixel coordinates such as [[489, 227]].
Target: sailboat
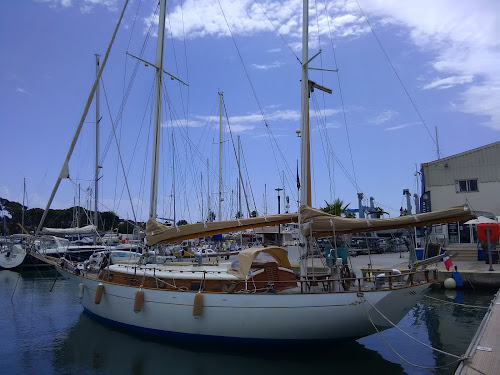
[[257, 297]]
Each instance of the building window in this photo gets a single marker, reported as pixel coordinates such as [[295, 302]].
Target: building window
[[466, 185]]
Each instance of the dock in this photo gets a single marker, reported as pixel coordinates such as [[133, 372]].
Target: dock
[[475, 274], [484, 351]]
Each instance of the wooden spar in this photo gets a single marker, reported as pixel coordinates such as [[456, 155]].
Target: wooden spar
[[65, 168]]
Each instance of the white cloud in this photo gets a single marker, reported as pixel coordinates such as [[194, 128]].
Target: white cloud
[[398, 127], [463, 36], [448, 82], [275, 64], [23, 91], [383, 117], [86, 6]]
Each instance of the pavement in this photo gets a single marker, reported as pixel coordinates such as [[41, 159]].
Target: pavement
[[400, 261], [475, 274]]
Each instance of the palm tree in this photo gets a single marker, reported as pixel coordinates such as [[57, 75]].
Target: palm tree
[[336, 208]]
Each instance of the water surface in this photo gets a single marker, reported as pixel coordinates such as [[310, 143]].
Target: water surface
[[45, 331]]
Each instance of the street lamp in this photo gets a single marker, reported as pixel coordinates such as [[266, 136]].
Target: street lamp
[[279, 225]]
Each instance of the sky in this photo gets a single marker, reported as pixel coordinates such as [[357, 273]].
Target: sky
[[405, 69]]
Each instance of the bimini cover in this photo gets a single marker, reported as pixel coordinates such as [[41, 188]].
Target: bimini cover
[[320, 224], [247, 256], [160, 233]]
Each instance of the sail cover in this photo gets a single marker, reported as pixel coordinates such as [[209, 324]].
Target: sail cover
[[159, 233], [320, 224], [89, 229]]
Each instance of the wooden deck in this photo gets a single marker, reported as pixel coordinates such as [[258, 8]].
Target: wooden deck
[[484, 351]]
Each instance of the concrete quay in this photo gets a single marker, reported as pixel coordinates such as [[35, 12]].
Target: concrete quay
[[474, 273]]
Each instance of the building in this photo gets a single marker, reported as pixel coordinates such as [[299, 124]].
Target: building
[[471, 177]]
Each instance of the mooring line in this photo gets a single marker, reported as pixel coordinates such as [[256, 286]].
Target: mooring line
[[459, 304], [458, 358]]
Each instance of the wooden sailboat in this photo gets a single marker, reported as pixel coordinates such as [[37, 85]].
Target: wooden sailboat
[[256, 297]]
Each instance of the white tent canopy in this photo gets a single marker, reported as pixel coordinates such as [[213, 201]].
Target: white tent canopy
[[480, 220]]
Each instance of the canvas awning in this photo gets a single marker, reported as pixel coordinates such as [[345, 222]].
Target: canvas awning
[[159, 233], [321, 224], [247, 256]]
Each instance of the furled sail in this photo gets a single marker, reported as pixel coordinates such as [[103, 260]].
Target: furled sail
[[159, 233], [89, 229], [320, 224]]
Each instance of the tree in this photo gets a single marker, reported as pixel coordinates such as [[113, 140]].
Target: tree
[[336, 208], [181, 222]]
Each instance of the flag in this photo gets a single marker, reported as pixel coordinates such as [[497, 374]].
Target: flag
[[448, 263], [298, 180]]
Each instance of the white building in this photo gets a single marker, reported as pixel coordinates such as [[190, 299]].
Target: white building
[[471, 177]]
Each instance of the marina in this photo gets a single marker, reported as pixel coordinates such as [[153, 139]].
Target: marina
[[46, 331], [146, 276]]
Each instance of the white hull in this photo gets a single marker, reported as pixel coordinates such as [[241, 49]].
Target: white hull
[[12, 256], [249, 317]]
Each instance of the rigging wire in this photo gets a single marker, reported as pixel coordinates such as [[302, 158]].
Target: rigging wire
[[119, 153], [456, 303], [272, 137], [398, 77], [236, 156], [277, 32], [341, 97], [129, 88]]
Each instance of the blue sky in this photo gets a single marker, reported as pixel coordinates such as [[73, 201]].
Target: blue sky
[[446, 54]]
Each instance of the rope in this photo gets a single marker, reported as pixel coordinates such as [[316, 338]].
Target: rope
[[404, 359], [460, 358], [456, 303]]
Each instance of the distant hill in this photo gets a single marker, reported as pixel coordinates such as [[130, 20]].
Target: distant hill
[[12, 212]]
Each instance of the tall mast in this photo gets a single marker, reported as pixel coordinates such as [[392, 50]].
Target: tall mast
[[173, 174], [220, 155], [209, 213], [305, 164], [157, 114], [96, 177], [240, 182], [201, 184], [24, 195], [305, 187]]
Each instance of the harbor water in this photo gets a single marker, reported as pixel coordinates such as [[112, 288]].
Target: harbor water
[[44, 330]]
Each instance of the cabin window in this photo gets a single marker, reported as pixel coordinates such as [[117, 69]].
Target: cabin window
[[466, 185]]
